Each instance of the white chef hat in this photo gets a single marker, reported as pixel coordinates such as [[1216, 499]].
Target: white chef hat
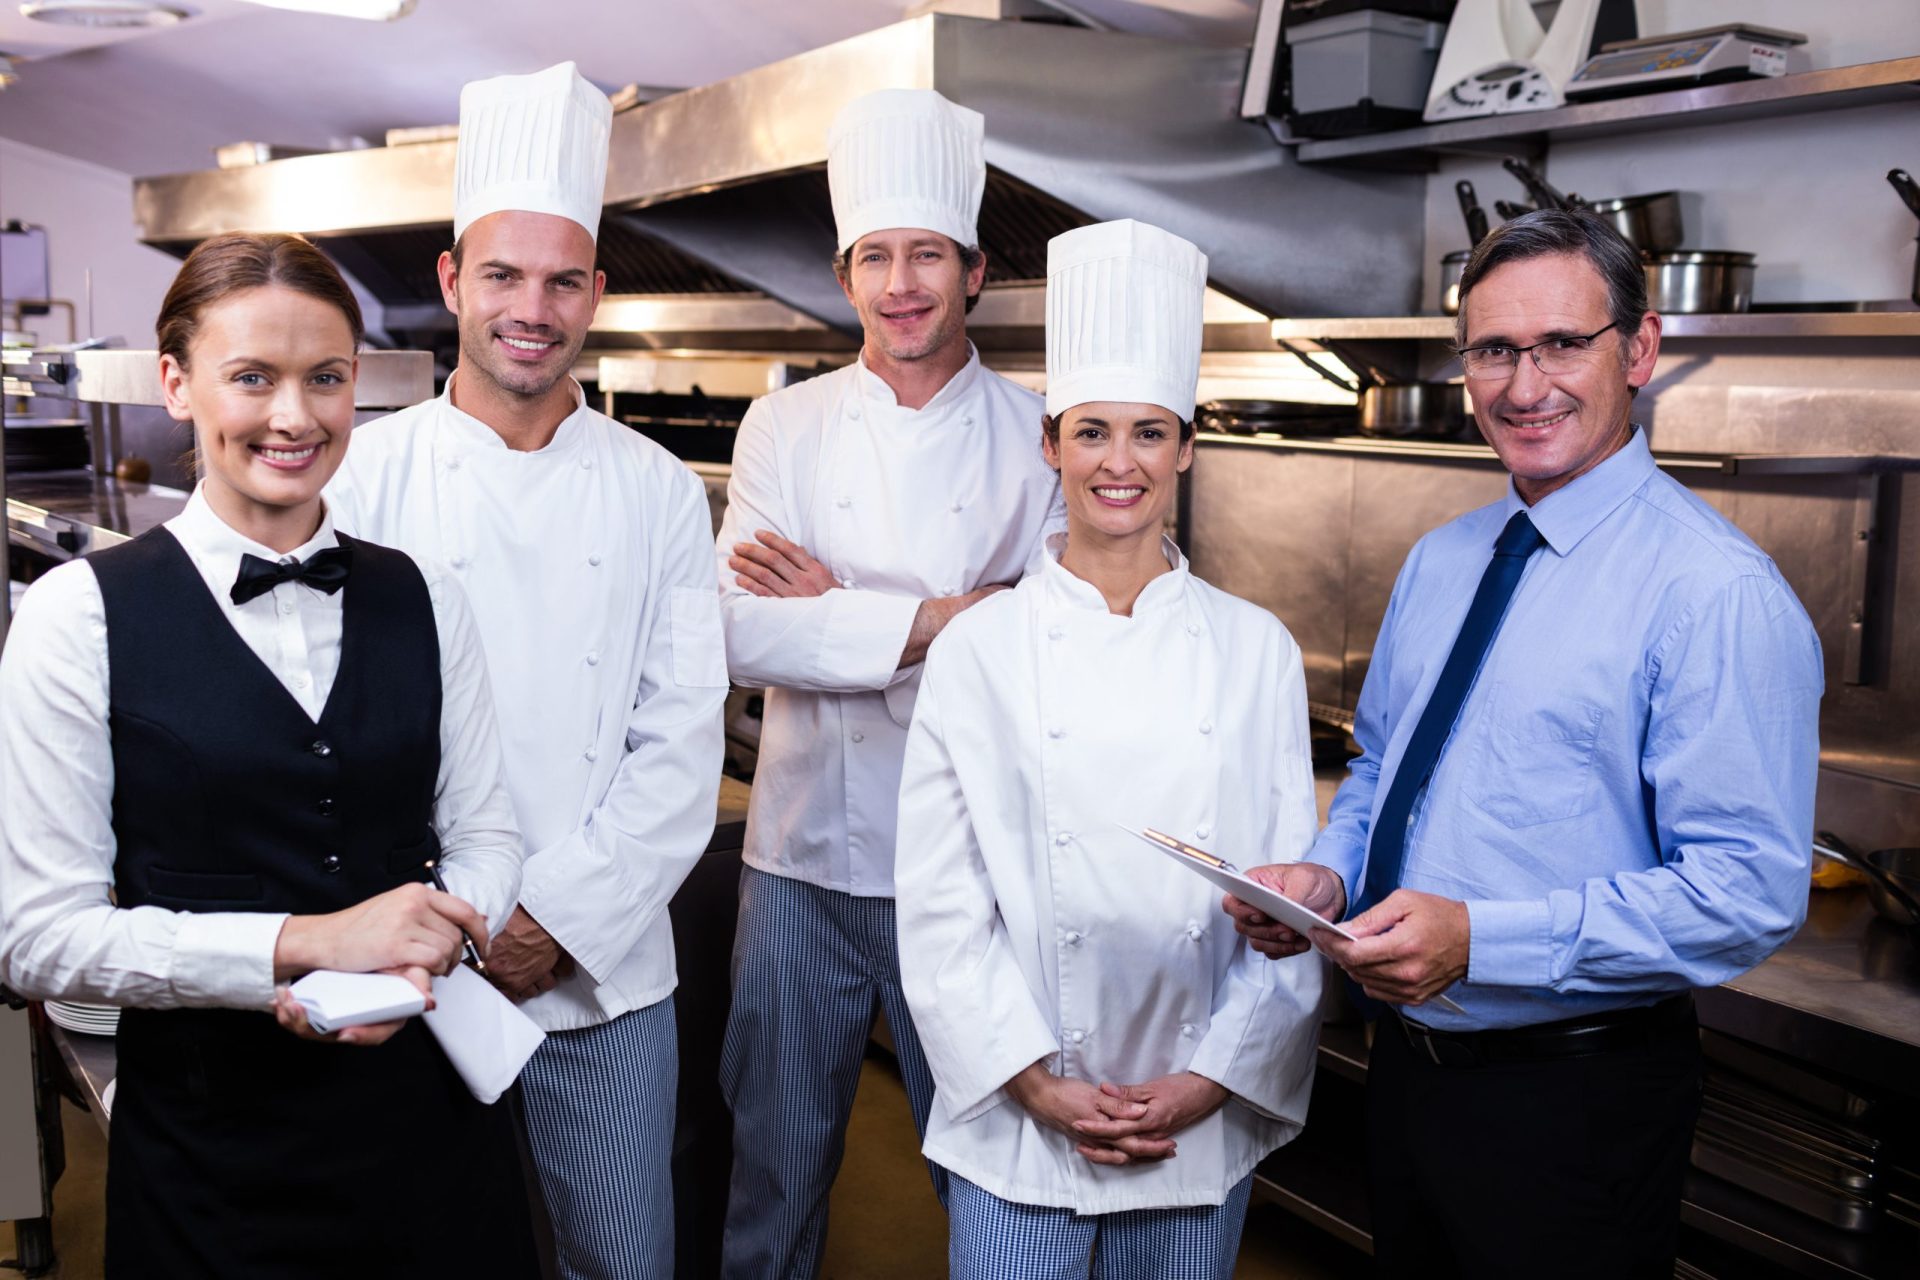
[[906, 158], [535, 143], [1124, 306]]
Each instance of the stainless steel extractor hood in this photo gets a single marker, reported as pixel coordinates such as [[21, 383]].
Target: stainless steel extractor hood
[[721, 188]]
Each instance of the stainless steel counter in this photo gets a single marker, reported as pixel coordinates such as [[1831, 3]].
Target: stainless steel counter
[[64, 514], [1843, 994]]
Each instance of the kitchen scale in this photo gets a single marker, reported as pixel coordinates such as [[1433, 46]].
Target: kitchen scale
[[1498, 58], [1710, 55]]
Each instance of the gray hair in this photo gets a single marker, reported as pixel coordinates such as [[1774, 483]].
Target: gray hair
[[1545, 232]]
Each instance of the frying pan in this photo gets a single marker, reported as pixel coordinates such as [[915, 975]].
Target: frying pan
[[1892, 876]]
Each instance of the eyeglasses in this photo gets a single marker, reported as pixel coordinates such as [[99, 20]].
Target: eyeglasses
[[1550, 356]]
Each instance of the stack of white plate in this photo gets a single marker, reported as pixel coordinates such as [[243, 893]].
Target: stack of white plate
[[91, 1019]]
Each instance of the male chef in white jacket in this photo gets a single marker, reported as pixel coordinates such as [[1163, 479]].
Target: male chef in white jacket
[[867, 507], [586, 552]]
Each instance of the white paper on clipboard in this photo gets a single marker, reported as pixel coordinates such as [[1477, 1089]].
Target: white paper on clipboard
[[1278, 905], [1296, 917]]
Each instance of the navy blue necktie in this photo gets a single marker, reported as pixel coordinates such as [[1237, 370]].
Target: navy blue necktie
[[1516, 543]]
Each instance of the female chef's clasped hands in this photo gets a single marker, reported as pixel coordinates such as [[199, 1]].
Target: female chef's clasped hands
[[1111, 1059], [231, 746]]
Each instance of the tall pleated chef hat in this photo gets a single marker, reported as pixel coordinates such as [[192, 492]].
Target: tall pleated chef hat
[[1124, 306], [906, 158], [536, 144]]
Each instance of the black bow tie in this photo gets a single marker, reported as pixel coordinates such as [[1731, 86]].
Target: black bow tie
[[324, 570]]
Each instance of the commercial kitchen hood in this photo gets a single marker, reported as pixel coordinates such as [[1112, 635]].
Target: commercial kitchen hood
[[721, 189]]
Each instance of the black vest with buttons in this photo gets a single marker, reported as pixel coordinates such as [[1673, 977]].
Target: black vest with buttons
[[236, 1150], [227, 796]]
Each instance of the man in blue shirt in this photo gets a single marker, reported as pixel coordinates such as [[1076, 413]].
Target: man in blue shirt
[[1589, 736]]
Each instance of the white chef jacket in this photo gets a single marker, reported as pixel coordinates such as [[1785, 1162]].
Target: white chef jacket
[[587, 565], [1032, 927], [901, 505], [60, 936]]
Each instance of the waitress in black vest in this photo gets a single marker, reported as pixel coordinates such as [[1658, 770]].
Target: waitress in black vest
[[253, 733]]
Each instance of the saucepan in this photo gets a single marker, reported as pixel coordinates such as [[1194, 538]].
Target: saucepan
[[1452, 267], [1431, 410], [1893, 876], [1699, 280], [1650, 223], [1393, 406]]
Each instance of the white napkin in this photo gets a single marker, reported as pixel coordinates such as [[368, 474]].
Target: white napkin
[[484, 1034], [335, 1000]]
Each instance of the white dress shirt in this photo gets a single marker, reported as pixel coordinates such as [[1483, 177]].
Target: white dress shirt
[[1032, 927], [901, 505], [60, 936], [588, 567]]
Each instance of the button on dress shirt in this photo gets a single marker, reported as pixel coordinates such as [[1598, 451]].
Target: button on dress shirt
[[1625, 803], [60, 936]]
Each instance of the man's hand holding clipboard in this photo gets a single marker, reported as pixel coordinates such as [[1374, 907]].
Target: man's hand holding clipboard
[[1288, 907]]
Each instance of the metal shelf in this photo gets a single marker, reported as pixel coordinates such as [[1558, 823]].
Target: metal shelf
[[1868, 84], [1743, 324], [120, 376], [1726, 464]]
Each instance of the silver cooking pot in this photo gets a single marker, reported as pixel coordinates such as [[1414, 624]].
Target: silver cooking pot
[[1451, 268], [1650, 223], [1695, 281], [1428, 410]]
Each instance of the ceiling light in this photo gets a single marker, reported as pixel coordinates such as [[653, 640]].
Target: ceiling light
[[371, 10], [106, 13]]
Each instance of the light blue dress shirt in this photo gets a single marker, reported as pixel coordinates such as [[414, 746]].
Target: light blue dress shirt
[[1626, 800]]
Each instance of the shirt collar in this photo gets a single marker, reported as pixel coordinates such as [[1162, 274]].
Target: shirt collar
[[1571, 512], [470, 430], [1069, 589], [874, 387], [216, 546]]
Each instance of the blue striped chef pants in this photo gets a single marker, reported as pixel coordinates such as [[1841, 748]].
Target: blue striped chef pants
[[810, 967], [599, 1104], [994, 1239]]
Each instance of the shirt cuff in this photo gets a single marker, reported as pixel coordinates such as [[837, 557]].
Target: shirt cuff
[[225, 958], [1345, 860], [862, 639], [1510, 944]]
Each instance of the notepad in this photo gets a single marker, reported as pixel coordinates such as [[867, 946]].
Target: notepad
[[484, 1035], [335, 1001]]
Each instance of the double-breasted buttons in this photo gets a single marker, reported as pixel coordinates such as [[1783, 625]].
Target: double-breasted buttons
[[331, 864], [325, 808]]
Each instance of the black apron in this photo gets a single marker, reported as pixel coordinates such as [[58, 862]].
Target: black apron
[[236, 1149]]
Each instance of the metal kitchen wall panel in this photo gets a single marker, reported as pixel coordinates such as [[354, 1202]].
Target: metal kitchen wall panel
[[1274, 528]]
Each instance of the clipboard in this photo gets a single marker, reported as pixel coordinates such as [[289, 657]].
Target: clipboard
[[1224, 875]]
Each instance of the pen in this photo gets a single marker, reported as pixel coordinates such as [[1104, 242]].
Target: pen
[[473, 956]]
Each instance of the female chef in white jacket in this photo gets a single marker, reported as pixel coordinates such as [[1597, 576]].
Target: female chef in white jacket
[[1111, 1061], [255, 732]]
